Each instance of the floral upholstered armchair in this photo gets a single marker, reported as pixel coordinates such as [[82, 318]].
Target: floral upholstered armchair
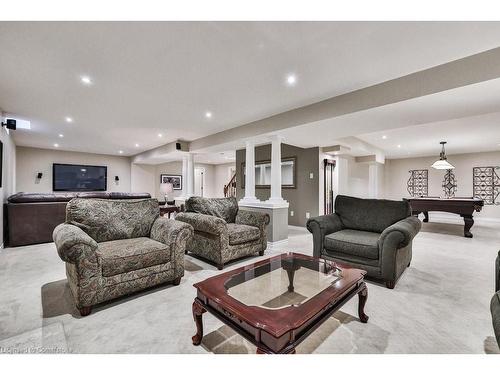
[[116, 247], [223, 232]]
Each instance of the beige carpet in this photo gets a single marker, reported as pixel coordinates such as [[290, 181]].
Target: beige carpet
[[441, 305]]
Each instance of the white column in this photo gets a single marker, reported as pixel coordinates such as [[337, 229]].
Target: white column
[[341, 176], [249, 174], [276, 197], [190, 175], [372, 180], [183, 195]]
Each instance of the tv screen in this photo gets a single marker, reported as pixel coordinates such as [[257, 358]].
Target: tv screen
[[70, 177]]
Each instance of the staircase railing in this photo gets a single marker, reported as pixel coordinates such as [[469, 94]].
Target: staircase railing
[[230, 187]]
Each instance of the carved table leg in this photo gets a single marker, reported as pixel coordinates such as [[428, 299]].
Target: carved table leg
[[291, 274], [198, 311], [468, 223], [363, 296], [426, 217]]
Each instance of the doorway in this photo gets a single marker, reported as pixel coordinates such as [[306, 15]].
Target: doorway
[[199, 181], [328, 168]]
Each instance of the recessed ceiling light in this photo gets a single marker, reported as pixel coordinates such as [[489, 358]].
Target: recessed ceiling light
[[291, 79], [61, 135], [120, 152], [56, 144], [68, 119], [137, 145], [86, 80], [399, 146], [384, 137], [208, 114], [160, 135]]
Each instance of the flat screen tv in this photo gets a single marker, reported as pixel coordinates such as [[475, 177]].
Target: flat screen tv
[[71, 177]]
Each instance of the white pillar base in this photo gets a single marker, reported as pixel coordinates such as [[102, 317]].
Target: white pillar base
[[276, 202], [249, 201]]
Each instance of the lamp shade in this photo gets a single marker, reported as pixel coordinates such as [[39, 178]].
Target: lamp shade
[[442, 164], [166, 188]]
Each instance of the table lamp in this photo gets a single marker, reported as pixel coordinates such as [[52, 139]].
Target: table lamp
[[166, 188]]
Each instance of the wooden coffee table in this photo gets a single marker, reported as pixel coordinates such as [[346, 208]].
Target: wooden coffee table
[[277, 302]]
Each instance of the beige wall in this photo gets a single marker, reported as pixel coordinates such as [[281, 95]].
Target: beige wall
[[8, 173], [174, 167], [143, 178], [396, 176], [147, 178], [30, 161]]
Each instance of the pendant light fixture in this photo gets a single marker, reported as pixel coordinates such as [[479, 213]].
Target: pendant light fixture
[[442, 163]]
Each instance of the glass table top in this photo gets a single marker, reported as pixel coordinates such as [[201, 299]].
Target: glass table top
[[283, 282]]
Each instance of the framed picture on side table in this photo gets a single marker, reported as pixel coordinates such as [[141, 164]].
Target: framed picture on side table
[[175, 180]]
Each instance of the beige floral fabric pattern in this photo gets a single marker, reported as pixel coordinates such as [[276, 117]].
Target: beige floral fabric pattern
[[130, 218], [67, 237], [142, 249], [225, 208], [219, 240], [131, 254], [240, 233]]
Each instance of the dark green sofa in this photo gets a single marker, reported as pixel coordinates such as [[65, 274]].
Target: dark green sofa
[[371, 234], [495, 301]]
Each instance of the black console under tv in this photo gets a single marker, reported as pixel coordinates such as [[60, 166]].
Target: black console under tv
[[74, 177]]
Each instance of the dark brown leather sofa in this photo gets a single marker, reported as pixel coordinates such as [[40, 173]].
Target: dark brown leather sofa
[[30, 218]]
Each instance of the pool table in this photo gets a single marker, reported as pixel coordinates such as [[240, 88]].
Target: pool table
[[465, 207]]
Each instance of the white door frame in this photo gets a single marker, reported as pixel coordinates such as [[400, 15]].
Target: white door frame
[[202, 187]]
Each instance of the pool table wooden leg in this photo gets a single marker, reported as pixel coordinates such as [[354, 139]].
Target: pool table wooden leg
[[468, 223]]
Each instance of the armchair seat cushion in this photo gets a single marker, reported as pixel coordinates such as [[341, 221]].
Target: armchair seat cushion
[[240, 233], [353, 242], [121, 256]]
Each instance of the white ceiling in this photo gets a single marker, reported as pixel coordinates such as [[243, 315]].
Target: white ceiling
[[465, 135], [161, 77], [468, 117]]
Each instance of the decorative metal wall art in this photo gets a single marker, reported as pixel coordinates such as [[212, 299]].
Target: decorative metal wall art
[[486, 184], [449, 184], [418, 183]]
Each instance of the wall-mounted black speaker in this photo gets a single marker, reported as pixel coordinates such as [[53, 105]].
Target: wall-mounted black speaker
[[117, 178], [177, 146], [39, 175], [10, 123]]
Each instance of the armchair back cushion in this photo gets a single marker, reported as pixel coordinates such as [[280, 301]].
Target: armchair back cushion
[[108, 219], [225, 208], [371, 215]]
